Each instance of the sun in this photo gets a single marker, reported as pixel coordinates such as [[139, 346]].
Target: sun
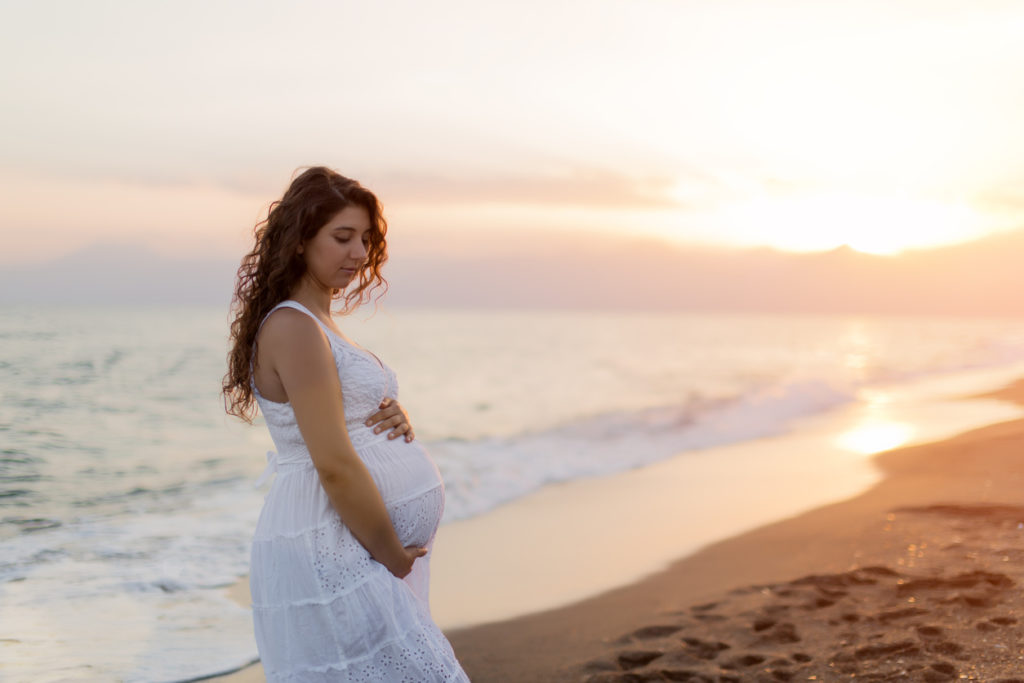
[[868, 223]]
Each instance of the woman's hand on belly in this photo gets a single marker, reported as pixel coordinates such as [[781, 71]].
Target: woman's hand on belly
[[391, 416], [401, 566]]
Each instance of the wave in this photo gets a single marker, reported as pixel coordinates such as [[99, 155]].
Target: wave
[[485, 473]]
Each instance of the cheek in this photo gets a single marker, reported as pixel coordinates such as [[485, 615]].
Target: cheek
[[318, 258], [331, 251]]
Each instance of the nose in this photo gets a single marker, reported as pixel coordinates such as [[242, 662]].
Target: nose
[[360, 250]]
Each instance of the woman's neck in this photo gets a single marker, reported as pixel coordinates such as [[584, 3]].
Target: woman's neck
[[312, 296]]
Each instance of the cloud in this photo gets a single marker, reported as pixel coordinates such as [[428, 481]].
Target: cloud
[[567, 184], [570, 185]]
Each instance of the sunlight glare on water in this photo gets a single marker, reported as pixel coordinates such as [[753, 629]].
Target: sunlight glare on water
[[877, 430]]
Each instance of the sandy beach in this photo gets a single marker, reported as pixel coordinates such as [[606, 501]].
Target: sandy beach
[[915, 579]]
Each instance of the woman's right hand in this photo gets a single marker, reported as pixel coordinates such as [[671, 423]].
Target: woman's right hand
[[402, 565]]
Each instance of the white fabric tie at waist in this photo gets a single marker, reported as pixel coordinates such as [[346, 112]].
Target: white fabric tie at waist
[[275, 465], [270, 469]]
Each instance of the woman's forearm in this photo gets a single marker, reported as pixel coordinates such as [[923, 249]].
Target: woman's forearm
[[358, 502]]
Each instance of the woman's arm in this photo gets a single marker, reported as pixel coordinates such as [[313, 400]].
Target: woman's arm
[[297, 350]]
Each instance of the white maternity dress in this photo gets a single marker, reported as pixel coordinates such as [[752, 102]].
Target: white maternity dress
[[323, 608]]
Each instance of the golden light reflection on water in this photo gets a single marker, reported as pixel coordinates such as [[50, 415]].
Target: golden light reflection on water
[[873, 437], [877, 431]]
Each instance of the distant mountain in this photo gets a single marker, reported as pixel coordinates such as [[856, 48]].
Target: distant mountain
[[122, 274], [566, 270], [977, 278]]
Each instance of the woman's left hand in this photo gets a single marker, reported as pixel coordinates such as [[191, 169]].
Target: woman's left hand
[[391, 416]]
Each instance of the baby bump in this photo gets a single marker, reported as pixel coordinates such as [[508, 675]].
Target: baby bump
[[411, 486], [400, 470], [416, 519]]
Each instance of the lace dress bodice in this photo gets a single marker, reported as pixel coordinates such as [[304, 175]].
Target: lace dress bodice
[[366, 381]]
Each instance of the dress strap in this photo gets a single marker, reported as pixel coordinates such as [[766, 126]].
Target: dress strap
[[289, 303]]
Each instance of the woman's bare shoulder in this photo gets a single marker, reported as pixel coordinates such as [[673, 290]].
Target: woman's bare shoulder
[[291, 328]]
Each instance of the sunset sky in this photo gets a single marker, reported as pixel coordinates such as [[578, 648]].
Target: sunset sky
[[802, 125]]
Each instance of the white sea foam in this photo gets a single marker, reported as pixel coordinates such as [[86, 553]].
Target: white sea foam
[[153, 580], [481, 474]]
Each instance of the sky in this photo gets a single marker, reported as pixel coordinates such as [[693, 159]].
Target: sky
[[800, 125]]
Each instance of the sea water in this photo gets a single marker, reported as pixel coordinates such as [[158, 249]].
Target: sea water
[[127, 498]]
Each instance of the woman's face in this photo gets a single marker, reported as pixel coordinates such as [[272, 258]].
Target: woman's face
[[336, 254]]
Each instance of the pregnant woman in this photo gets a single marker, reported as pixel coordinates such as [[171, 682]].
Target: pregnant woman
[[339, 572]]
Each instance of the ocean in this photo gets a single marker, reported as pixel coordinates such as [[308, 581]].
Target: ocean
[[127, 496]]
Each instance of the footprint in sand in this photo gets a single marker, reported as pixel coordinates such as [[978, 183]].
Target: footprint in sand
[[893, 615], [944, 668], [819, 603], [981, 579], [945, 647], [651, 632], [880, 624], [704, 650], [969, 600], [776, 609], [903, 648], [940, 671], [705, 607], [634, 659], [781, 634], [703, 612], [710, 617], [744, 661]]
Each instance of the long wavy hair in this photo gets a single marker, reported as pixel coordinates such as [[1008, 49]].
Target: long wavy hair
[[274, 266]]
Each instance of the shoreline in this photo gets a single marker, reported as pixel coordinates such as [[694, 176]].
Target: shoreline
[[582, 630], [648, 512], [882, 527]]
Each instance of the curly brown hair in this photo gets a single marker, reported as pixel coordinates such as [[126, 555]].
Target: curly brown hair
[[274, 266]]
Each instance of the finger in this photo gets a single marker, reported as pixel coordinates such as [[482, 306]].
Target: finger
[[399, 430], [382, 415], [409, 436], [389, 412], [388, 424]]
